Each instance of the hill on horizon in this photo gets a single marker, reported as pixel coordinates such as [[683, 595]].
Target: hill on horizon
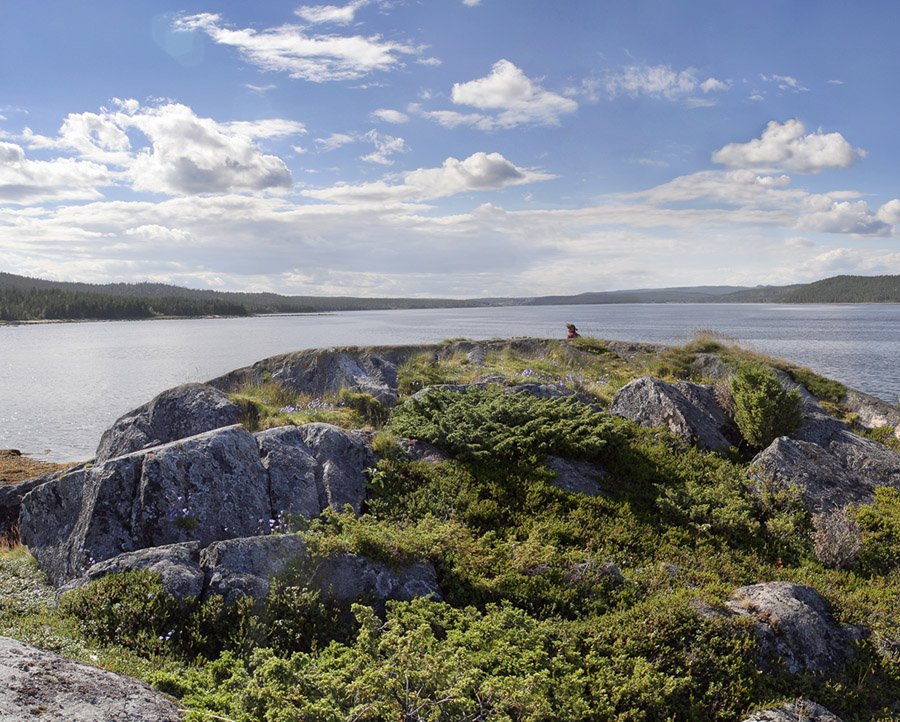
[[24, 298]]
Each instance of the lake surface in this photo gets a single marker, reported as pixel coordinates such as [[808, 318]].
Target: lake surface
[[61, 385]]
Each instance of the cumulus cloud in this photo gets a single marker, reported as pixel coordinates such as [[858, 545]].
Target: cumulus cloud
[[390, 116], [291, 49], [24, 181], [659, 81], [826, 215], [785, 147], [479, 172], [169, 149], [519, 99], [890, 212]]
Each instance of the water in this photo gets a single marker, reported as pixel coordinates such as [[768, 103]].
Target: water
[[61, 385]]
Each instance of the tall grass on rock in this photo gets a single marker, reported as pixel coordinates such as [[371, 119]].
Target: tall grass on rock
[[763, 410]]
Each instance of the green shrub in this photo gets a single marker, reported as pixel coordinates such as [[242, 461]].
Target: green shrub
[[822, 388], [489, 426], [880, 522], [134, 610], [372, 412], [763, 410]]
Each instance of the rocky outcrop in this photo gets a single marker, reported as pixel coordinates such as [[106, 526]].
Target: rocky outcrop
[[800, 710], [246, 567], [690, 411], [374, 370], [184, 411], [872, 412], [40, 685], [832, 466], [576, 476], [794, 626], [217, 485]]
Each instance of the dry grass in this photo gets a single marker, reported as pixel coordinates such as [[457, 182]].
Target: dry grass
[[16, 467]]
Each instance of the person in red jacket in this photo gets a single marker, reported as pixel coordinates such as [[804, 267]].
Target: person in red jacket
[[573, 332]]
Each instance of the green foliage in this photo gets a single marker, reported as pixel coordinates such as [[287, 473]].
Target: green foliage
[[423, 370], [556, 605], [38, 304], [763, 409], [880, 522], [134, 610], [372, 411], [489, 426], [822, 388]]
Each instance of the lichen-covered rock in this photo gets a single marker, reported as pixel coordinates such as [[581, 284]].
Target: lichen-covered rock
[[178, 566], [342, 458], [872, 412], [246, 567], [174, 414], [689, 411], [794, 624], [831, 465], [327, 371], [217, 485], [800, 710], [36, 684]]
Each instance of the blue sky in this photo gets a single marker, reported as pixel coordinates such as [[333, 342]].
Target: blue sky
[[449, 147]]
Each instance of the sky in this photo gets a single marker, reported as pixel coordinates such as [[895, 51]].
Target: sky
[[449, 148]]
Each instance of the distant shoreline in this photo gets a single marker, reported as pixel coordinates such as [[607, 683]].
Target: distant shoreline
[[39, 322]]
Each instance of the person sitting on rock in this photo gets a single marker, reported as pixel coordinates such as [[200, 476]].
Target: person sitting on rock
[[573, 332]]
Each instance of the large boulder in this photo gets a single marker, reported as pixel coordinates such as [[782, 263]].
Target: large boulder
[[246, 567], [800, 710], [794, 625], [872, 412], [326, 371], [216, 485], [689, 411], [832, 466], [184, 411], [36, 684]]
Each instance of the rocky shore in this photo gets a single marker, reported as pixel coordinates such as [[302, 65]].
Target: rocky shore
[[189, 489]]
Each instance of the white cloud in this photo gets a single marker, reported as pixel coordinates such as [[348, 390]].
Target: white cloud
[[335, 141], [155, 232], [826, 215], [185, 155], [390, 116], [385, 145], [659, 81], [290, 49], [330, 13], [478, 172], [519, 99], [471, 3], [890, 212], [453, 119], [24, 181], [785, 82], [785, 147]]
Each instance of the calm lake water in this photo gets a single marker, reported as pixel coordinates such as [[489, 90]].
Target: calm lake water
[[61, 385]]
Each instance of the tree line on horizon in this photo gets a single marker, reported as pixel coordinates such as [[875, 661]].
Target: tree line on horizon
[[49, 304], [34, 299]]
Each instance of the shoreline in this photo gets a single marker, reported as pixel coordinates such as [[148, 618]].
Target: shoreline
[[16, 467]]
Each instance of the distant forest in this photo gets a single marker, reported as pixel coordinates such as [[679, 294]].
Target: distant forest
[[847, 289], [40, 304], [35, 299]]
